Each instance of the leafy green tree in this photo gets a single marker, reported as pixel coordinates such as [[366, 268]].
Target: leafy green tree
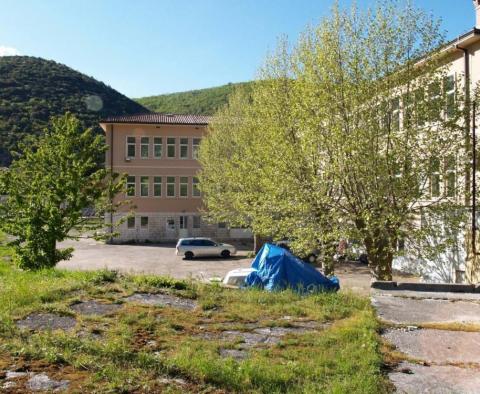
[[352, 133], [49, 186]]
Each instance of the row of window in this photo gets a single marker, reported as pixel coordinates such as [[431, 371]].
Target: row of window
[[433, 112], [153, 147], [170, 223], [153, 186]]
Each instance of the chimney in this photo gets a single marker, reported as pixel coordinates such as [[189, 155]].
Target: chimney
[[476, 4]]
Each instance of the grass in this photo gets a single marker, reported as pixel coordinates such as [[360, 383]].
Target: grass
[[133, 349]]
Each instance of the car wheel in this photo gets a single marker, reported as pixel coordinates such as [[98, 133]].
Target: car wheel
[[188, 255], [225, 254], [312, 259]]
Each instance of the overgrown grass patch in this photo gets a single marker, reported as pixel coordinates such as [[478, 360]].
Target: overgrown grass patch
[[144, 348]]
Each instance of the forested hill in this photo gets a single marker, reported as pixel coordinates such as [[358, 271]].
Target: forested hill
[[34, 89], [196, 102]]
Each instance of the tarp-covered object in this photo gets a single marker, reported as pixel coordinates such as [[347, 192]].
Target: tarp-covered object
[[278, 269]]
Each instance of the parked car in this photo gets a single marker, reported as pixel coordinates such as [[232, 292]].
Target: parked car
[[197, 247], [308, 258]]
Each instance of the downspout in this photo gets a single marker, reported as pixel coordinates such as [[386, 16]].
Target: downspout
[[473, 152], [111, 177]]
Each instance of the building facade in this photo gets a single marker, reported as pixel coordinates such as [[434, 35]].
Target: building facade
[[462, 57], [158, 153]]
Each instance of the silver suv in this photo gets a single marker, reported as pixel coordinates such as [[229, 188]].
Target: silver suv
[[197, 247]]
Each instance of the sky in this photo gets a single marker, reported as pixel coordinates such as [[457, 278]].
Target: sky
[[149, 47]]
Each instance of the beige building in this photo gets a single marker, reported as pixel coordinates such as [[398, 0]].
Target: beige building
[[462, 57], [159, 152]]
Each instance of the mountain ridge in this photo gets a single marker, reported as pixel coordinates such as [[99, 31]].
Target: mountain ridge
[[33, 89]]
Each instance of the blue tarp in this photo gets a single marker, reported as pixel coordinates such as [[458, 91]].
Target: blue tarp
[[278, 269]]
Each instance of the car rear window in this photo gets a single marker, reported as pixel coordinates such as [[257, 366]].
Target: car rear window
[[186, 242]]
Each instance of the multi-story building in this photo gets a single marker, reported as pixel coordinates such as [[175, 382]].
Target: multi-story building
[[462, 57], [158, 152]]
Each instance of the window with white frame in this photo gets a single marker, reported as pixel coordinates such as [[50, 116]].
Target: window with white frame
[[435, 177], [157, 147], [144, 221], [395, 111], [131, 222], [183, 222], [170, 186], [407, 103], [157, 186], [184, 186], [196, 221], [183, 148], [170, 223], [195, 189], [450, 176], [144, 183], [171, 147], [131, 185], [130, 147], [434, 102], [449, 90], [195, 147], [144, 145], [419, 98]]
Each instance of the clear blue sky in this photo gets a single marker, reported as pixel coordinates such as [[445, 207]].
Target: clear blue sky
[[146, 47]]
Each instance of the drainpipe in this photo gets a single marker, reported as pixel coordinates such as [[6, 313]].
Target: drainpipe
[[474, 181], [111, 177], [473, 148]]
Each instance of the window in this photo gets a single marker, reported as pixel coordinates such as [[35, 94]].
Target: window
[[183, 222], [130, 186], [195, 189], [207, 242], [144, 181], [170, 223], [419, 97], [170, 186], [407, 101], [171, 147], [184, 186], [130, 147], [395, 108], [131, 222], [434, 107], [195, 147], [435, 177], [196, 222], [144, 221], [450, 177], [449, 89], [222, 225], [157, 147], [144, 144], [157, 186], [183, 148]]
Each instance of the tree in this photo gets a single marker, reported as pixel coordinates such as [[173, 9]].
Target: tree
[[47, 188], [346, 135]]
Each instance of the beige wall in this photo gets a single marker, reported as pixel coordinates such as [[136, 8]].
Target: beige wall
[[156, 167]]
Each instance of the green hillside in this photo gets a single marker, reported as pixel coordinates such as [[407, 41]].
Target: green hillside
[[197, 102], [34, 89]]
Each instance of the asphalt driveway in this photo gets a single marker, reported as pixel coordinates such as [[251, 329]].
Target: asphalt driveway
[[151, 259]]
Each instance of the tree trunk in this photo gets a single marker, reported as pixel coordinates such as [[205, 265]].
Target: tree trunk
[[380, 256], [328, 262]]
